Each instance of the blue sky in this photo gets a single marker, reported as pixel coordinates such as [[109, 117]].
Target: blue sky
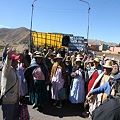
[[65, 16]]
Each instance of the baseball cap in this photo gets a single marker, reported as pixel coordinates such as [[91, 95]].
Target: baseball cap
[[15, 57]]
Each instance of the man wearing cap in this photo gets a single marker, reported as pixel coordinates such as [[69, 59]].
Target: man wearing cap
[[10, 84]]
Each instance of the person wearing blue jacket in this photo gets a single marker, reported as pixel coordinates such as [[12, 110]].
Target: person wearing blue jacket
[[110, 108]]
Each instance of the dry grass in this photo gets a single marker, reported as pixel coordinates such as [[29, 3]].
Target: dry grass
[[109, 55]]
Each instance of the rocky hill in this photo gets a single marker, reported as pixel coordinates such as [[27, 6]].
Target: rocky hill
[[14, 36]]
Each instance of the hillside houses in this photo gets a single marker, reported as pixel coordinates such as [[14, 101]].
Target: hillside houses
[[104, 48]]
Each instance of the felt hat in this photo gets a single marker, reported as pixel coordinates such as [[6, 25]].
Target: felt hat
[[108, 64], [97, 60]]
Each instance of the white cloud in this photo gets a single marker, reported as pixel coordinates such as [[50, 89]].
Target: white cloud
[[4, 26]]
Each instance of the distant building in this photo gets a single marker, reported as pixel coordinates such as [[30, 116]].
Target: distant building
[[115, 50], [103, 47], [94, 47]]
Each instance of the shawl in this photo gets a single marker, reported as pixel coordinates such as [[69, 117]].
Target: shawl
[[54, 68]]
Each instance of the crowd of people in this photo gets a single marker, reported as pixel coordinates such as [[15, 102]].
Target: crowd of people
[[53, 76]]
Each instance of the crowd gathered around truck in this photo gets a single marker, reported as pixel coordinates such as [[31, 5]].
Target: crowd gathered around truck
[[55, 76]]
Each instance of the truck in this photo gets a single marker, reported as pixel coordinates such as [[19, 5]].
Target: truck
[[58, 40]]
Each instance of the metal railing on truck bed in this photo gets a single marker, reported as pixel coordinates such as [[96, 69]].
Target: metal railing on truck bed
[[47, 39]]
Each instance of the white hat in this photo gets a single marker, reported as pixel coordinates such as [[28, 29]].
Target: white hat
[[78, 60], [79, 56], [58, 56], [97, 60]]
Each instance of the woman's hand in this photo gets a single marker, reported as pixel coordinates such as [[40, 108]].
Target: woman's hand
[[90, 97]]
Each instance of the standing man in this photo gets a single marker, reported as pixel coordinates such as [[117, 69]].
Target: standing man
[[10, 87]]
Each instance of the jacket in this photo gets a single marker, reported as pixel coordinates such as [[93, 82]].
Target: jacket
[[9, 78]]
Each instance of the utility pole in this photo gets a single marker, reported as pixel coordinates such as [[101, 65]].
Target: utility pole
[[88, 26], [31, 23]]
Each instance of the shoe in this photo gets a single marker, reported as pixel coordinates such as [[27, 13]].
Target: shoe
[[34, 106]]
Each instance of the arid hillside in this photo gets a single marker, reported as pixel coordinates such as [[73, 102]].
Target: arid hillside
[[14, 36]]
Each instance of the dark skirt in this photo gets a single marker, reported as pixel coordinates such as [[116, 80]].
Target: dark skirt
[[40, 93], [109, 110], [31, 96]]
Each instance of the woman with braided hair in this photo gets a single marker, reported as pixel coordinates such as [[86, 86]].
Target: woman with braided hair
[[57, 80]]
